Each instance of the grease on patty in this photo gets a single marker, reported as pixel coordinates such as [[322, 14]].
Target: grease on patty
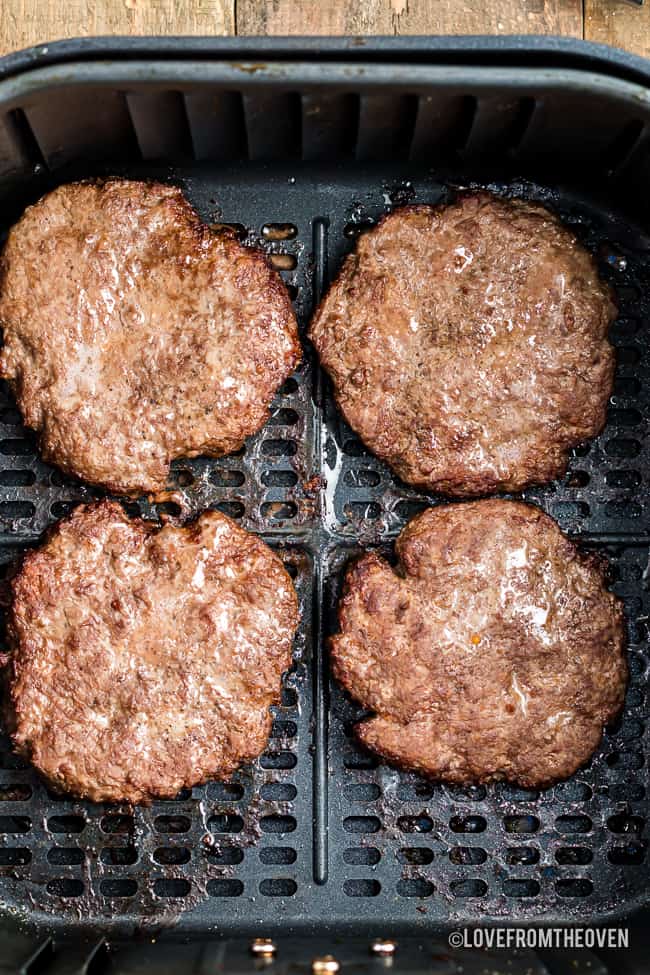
[[493, 651], [145, 660], [467, 344], [134, 334]]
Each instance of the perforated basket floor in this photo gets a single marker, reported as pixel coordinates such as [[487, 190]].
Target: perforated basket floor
[[318, 835]]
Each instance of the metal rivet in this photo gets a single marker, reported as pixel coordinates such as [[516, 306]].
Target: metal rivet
[[327, 965], [383, 947], [263, 947]]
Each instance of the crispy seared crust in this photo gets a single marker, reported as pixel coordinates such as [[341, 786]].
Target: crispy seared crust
[[134, 334], [143, 661], [494, 651], [467, 344]]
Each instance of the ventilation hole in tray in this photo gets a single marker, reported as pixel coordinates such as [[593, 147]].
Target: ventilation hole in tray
[[119, 856], [277, 824], [361, 888], [362, 792], [15, 793], [574, 887], [362, 856], [184, 478], [467, 824], [623, 479], [623, 328], [224, 856], [415, 824], [521, 888], [225, 887], [172, 824], [117, 824], [65, 887], [226, 791], [360, 760], [627, 792], [627, 355], [566, 510], [169, 508], [225, 823], [61, 508], [227, 478], [17, 478], [415, 856], [355, 228], [581, 450], [288, 697], [14, 856], [118, 888], [573, 824], [171, 887], [410, 508], [362, 510], [288, 387], [520, 824], [574, 855], [414, 887], [626, 386], [283, 262], [234, 509], [468, 888], [281, 479], [283, 418], [625, 418], [278, 887], [278, 510], [414, 791], [623, 823], [279, 231], [577, 479], [361, 478], [361, 824], [11, 417], [12, 762], [354, 448], [17, 448], [65, 855], [625, 760], [629, 855], [10, 510], [467, 856], [468, 793], [59, 479], [279, 448], [278, 855], [278, 792], [237, 229], [623, 509], [66, 824], [521, 856], [278, 760]]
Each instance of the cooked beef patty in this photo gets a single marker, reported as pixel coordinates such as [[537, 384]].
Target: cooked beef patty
[[493, 651], [134, 334], [145, 660], [468, 345]]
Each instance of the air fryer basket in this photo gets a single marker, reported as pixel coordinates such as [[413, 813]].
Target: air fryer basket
[[302, 153]]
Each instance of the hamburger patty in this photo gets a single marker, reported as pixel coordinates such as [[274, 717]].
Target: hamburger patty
[[493, 651], [145, 660], [134, 334], [468, 345]]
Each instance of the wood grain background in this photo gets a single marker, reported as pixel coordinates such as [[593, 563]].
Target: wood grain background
[[619, 22]]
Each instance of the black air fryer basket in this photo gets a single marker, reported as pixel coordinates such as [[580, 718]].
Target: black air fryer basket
[[302, 145]]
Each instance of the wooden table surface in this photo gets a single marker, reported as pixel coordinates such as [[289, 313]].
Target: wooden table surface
[[619, 22]]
